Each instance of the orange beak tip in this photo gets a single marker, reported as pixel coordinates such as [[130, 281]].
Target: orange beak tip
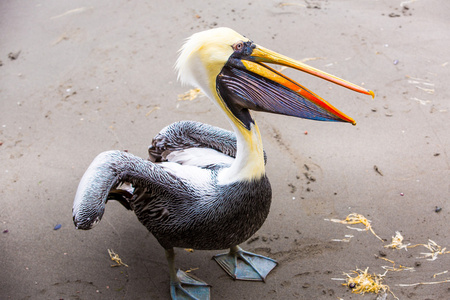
[[371, 93]]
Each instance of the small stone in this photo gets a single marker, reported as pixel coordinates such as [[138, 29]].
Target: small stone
[[13, 56]]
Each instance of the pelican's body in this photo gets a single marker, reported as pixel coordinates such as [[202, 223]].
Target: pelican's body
[[205, 187], [195, 192]]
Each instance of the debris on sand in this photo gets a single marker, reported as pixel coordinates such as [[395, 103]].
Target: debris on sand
[[355, 218], [190, 270], [14, 55], [393, 267], [115, 257], [422, 84], [364, 282], [347, 239], [70, 12], [152, 110], [291, 4], [397, 242], [190, 95], [423, 283], [377, 170], [434, 248], [361, 282], [440, 273]]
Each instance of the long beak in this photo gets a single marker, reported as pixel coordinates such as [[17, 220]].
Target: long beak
[[294, 99]]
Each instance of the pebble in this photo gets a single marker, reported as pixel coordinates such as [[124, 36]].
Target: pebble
[[57, 226]]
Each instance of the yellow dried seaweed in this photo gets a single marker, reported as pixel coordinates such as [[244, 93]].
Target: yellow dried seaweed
[[434, 248], [291, 4], [347, 239], [191, 269], [364, 282], [355, 218], [428, 91], [115, 257], [403, 268], [397, 242], [393, 268], [189, 95], [69, 12], [440, 273], [152, 110], [423, 283]]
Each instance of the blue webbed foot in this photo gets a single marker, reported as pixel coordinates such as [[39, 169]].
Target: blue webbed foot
[[243, 265], [187, 287]]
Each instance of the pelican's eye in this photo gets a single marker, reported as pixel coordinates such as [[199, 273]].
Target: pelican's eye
[[243, 48], [237, 47]]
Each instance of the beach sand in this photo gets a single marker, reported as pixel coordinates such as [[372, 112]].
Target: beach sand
[[81, 77]]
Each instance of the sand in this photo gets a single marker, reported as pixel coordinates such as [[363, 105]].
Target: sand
[[79, 78]]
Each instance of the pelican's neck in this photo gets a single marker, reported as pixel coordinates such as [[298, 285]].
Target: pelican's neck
[[249, 162]]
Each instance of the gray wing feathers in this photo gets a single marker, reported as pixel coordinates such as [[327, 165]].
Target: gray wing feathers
[[190, 134], [106, 172]]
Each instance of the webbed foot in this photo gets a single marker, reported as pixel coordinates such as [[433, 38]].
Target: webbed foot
[[187, 287], [243, 265]]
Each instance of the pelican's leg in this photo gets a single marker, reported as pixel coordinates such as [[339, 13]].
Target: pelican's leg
[[184, 286], [243, 265]]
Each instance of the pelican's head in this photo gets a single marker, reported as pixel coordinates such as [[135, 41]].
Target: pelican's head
[[232, 70]]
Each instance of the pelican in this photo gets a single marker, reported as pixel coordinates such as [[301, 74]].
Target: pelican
[[204, 187]]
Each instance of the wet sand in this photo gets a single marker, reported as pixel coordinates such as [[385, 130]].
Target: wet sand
[[79, 78]]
